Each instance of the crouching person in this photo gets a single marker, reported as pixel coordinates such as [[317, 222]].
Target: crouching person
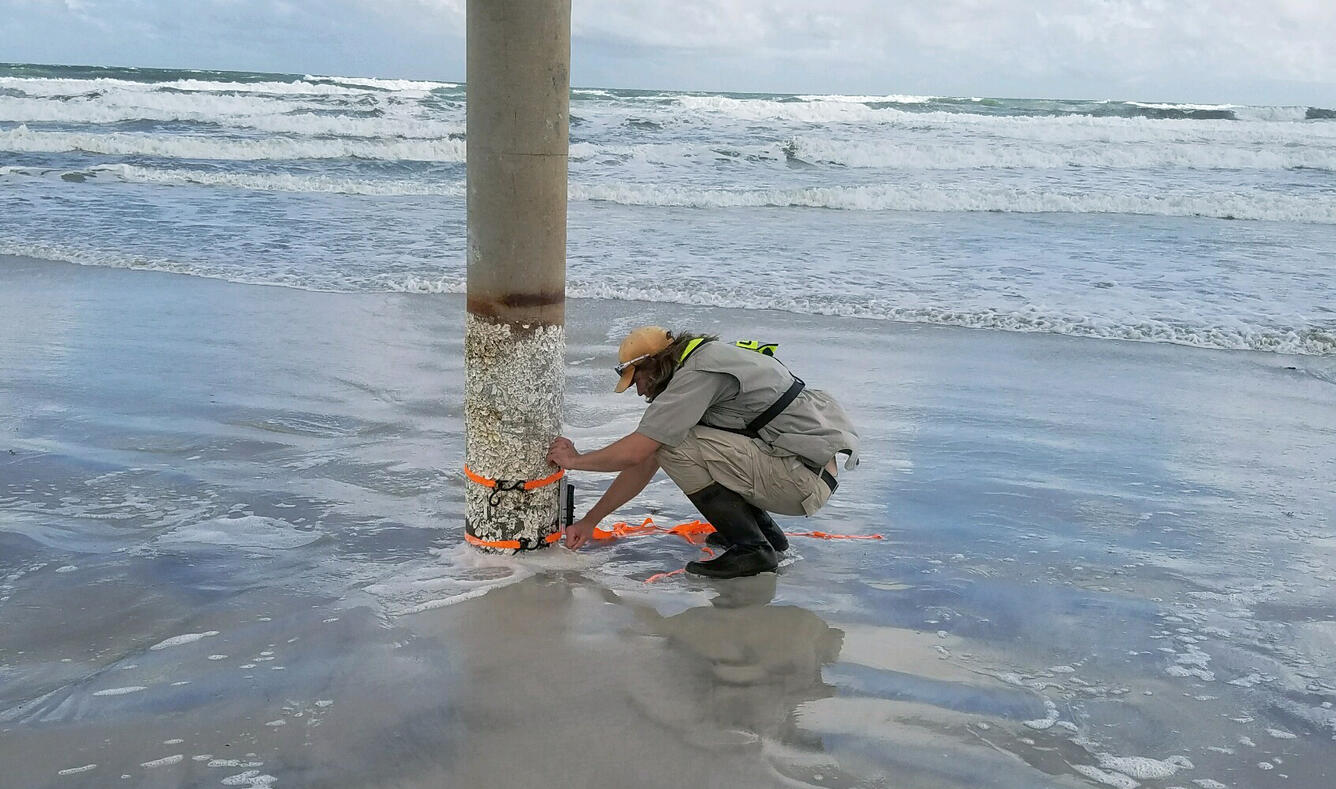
[[739, 434]]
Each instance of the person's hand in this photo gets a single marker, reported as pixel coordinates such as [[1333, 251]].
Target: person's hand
[[562, 452], [580, 532]]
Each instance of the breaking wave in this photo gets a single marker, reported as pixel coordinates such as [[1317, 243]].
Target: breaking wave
[[1257, 205], [200, 147], [1265, 206], [308, 86], [1311, 341], [277, 116]]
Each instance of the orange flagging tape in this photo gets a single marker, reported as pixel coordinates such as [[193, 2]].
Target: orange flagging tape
[[693, 532], [661, 576], [513, 545], [529, 484]]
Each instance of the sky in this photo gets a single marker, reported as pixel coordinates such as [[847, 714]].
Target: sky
[[1204, 51]]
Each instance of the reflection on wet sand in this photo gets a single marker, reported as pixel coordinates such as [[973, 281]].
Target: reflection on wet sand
[[748, 665], [621, 695]]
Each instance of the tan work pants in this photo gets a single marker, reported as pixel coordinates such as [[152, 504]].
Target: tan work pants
[[771, 479]]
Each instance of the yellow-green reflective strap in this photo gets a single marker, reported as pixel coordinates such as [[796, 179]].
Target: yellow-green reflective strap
[[691, 346], [766, 348]]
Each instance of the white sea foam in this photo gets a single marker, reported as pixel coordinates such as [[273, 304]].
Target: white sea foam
[[1274, 124], [277, 182], [461, 573], [1114, 779], [1143, 767], [111, 108], [1258, 205], [22, 139], [1238, 335], [918, 154], [893, 98], [252, 779], [77, 770], [1285, 114], [164, 761], [1159, 106], [44, 86], [1253, 205], [383, 84], [716, 153], [940, 155], [120, 691], [799, 111], [186, 638], [250, 531], [249, 112]]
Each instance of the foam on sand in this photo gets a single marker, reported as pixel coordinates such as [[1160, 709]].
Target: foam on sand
[[462, 573], [77, 770], [120, 691], [253, 779], [249, 531], [1114, 779], [1144, 768], [186, 638]]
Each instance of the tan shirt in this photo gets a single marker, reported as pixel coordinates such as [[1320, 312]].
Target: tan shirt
[[723, 385], [683, 404]]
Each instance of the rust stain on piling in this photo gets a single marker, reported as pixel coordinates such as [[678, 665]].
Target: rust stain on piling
[[545, 308], [532, 299]]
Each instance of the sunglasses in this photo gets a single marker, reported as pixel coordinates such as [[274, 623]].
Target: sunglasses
[[629, 363]]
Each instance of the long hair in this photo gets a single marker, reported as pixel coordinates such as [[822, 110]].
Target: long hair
[[661, 366]]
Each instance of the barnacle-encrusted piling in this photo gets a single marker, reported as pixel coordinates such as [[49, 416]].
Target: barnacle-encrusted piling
[[514, 346]]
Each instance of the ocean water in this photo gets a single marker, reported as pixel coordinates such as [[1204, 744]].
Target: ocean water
[[1205, 225]]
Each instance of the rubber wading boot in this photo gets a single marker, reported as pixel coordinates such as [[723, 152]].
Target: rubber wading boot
[[773, 534], [749, 552]]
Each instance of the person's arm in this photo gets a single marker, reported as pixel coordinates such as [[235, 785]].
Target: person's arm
[[622, 454], [625, 487]]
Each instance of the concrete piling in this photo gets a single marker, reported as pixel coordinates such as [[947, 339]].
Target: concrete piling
[[518, 86]]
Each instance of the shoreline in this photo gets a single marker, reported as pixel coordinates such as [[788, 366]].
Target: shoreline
[[1321, 342]]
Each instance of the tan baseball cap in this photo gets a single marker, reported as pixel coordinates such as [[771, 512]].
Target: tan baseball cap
[[640, 343]]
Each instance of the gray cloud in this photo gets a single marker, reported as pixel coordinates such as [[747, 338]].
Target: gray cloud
[[1203, 50]]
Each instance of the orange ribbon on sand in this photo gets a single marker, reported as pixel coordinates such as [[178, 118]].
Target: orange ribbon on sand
[[695, 533]]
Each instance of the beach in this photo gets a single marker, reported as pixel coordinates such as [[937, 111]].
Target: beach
[[231, 553]]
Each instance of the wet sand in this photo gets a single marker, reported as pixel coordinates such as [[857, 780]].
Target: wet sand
[[231, 554]]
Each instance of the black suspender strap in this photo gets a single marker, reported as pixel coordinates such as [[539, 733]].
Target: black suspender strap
[[753, 427]]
